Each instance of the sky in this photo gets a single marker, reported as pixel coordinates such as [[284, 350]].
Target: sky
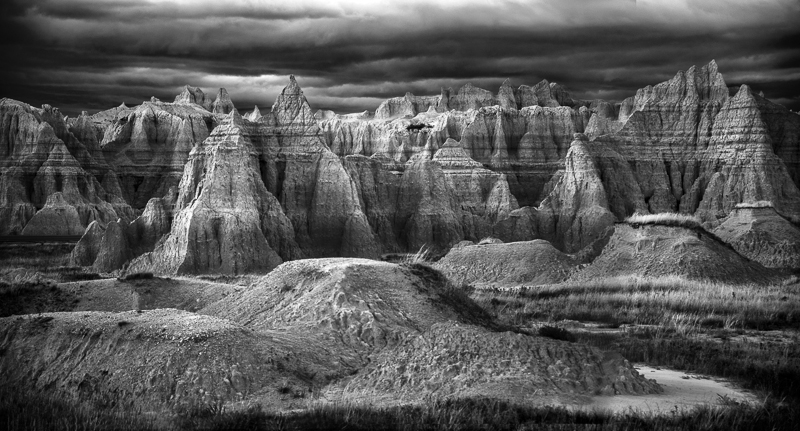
[[350, 55]]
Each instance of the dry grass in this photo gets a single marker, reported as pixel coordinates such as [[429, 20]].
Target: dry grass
[[422, 256], [703, 327], [672, 302], [756, 204], [40, 413], [666, 219], [489, 240]]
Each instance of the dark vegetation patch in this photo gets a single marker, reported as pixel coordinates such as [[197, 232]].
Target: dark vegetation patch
[[43, 413], [34, 297], [556, 333], [138, 276]]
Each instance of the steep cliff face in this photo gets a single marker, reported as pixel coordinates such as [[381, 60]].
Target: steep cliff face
[[149, 147], [576, 212], [37, 162], [693, 148], [313, 187], [527, 145], [223, 103], [226, 221], [424, 170], [740, 165]]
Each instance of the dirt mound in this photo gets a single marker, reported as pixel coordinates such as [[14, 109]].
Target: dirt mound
[[452, 360], [112, 295], [362, 304], [498, 265], [416, 335], [343, 328], [656, 250], [763, 235], [154, 359]]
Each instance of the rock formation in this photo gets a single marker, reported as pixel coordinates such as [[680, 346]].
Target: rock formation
[[41, 157], [760, 233], [222, 104], [501, 264], [379, 319], [226, 221], [659, 250], [527, 162]]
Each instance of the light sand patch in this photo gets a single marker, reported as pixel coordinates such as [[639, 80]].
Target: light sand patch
[[681, 390]]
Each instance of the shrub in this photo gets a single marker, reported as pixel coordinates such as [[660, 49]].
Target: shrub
[[139, 276], [556, 333], [423, 255]]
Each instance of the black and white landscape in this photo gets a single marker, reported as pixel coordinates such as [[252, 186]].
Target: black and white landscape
[[540, 215]]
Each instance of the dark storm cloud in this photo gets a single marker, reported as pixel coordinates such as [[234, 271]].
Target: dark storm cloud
[[93, 54]]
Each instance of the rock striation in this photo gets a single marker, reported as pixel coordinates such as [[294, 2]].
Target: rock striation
[[524, 163], [226, 221]]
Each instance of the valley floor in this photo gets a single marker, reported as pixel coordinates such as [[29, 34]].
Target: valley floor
[[727, 356]]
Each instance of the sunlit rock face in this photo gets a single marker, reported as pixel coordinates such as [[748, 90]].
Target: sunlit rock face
[[525, 162], [41, 157]]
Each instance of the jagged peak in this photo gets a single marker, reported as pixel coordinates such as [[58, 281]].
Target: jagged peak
[[744, 93], [46, 133], [293, 89], [123, 106], [450, 142], [154, 99], [506, 83], [234, 117], [222, 93]]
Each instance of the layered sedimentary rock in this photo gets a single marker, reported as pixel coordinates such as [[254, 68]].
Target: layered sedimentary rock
[[149, 147], [56, 218], [223, 103], [39, 157], [523, 163], [226, 221], [109, 247]]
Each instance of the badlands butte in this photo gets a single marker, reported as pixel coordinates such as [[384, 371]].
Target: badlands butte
[[312, 201]]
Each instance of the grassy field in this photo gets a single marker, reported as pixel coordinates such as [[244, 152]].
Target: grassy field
[[747, 333], [40, 413]]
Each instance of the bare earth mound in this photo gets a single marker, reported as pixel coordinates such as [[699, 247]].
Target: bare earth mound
[[419, 336], [762, 235], [511, 264], [340, 329], [656, 250], [154, 359], [455, 361], [115, 295]]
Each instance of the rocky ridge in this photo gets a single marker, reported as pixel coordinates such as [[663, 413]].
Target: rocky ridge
[[528, 162]]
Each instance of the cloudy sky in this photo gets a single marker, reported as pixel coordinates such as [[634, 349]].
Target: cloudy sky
[[349, 55]]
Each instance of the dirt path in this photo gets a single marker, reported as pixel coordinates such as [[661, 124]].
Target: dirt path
[[681, 390]]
